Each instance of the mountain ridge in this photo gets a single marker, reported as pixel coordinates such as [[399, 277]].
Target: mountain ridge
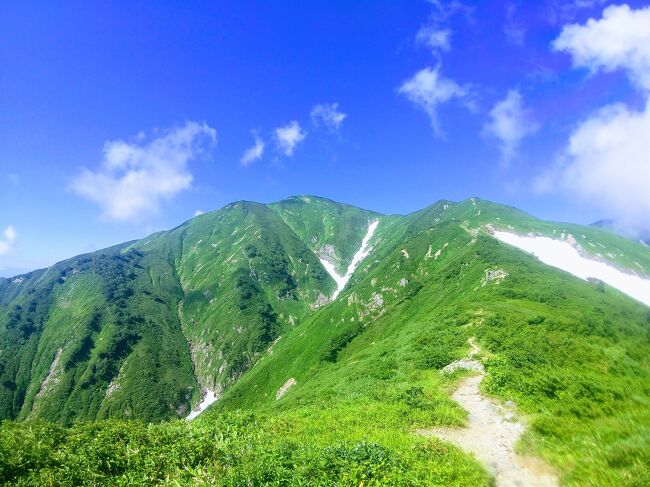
[[604, 225]]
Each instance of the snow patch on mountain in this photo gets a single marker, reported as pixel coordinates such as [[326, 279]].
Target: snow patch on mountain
[[361, 254], [563, 255], [341, 281], [210, 398]]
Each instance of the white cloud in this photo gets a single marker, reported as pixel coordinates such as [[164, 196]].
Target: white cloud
[[133, 179], [607, 159], [509, 124], [198, 213], [435, 38], [7, 240], [253, 153], [288, 137], [427, 89], [329, 115], [620, 40], [607, 164], [435, 34]]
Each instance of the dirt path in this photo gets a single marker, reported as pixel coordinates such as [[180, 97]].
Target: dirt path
[[492, 432]]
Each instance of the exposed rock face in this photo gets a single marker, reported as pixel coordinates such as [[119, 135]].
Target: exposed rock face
[[321, 300], [463, 364], [285, 387], [50, 382], [494, 275], [439, 251], [377, 301], [112, 387], [52, 378], [471, 362], [328, 252]]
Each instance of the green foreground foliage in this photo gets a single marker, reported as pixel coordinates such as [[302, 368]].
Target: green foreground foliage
[[235, 449]]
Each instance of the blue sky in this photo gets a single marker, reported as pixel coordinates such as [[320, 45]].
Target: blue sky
[[120, 120]]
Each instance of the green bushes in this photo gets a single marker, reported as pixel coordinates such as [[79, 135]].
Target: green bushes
[[228, 450], [339, 342], [414, 397], [440, 344]]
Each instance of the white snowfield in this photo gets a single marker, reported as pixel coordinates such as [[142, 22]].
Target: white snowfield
[[210, 398], [361, 254], [564, 256]]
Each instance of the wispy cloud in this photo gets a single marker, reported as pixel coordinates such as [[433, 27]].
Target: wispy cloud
[[427, 89], [329, 115], [198, 213], [435, 34], [513, 28], [509, 124], [134, 178], [7, 241], [443, 10], [288, 137], [607, 158], [560, 11], [434, 37], [254, 152]]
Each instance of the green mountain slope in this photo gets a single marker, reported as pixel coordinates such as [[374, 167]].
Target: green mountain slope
[[568, 352], [140, 329], [332, 230], [320, 393], [246, 279], [69, 332]]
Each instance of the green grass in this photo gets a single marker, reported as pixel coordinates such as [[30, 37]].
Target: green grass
[[352, 444]]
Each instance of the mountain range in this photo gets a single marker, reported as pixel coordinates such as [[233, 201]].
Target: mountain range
[[308, 310]]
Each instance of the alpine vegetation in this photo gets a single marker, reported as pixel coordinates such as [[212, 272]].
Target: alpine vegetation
[[311, 342]]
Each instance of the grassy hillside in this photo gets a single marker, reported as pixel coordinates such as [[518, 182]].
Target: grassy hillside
[[571, 354], [318, 395], [246, 279]]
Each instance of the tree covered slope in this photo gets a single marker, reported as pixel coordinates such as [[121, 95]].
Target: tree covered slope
[[236, 301], [70, 331]]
